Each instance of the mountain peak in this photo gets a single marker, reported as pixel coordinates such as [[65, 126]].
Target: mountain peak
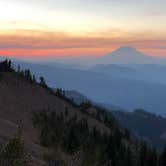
[[127, 49], [127, 55]]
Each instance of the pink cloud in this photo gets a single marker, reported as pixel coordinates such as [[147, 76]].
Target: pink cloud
[[54, 44]]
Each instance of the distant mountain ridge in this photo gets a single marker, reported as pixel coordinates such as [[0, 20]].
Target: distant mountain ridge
[[143, 124], [128, 55], [122, 55], [124, 92]]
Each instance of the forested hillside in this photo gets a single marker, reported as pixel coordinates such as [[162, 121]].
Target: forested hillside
[[41, 127]]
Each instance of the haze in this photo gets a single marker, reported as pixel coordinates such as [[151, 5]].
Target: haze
[[62, 28]]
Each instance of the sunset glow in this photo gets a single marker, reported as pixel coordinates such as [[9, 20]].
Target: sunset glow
[[63, 28]]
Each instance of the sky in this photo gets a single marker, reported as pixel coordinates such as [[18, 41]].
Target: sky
[[74, 28]]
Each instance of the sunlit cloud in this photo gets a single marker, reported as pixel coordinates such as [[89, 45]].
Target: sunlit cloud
[[56, 28], [29, 43]]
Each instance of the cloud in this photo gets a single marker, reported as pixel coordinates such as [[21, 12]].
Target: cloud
[[50, 43], [52, 40]]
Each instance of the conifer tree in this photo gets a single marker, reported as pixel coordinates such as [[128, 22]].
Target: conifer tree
[[162, 161], [34, 78], [42, 82], [14, 153]]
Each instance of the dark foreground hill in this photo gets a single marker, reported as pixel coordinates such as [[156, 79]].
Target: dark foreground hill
[[57, 132]]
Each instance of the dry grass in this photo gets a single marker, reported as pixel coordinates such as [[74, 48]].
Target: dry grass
[[18, 98]]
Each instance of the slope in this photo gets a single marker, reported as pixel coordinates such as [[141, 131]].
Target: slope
[[19, 98]]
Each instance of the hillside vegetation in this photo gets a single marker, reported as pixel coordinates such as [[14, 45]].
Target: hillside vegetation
[[55, 131]]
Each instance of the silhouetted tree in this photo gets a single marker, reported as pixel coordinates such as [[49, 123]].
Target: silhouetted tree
[[9, 64], [18, 69], [152, 158], [42, 82], [162, 159], [5, 66], [34, 78], [128, 158], [28, 75], [59, 92], [142, 154]]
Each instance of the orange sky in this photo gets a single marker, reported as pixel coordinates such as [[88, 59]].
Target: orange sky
[[30, 43], [64, 28]]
